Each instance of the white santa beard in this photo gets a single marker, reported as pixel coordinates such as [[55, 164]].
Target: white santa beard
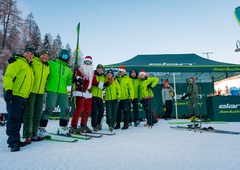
[[87, 71]]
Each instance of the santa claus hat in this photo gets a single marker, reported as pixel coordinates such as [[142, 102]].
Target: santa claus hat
[[88, 58], [122, 68], [142, 72], [165, 82], [192, 78]]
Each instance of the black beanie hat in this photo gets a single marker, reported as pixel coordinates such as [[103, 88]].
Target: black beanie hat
[[44, 52], [100, 66], [110, 71], [29, 49]]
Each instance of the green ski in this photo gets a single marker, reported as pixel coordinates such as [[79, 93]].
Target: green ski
[[60, 140], [72, 136]]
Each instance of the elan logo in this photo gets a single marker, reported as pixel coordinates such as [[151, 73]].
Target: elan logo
[[229, 106], [171, 64]]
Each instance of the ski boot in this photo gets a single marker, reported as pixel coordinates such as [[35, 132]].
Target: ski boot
[[117, 126], [42, 132], [64, 131], [125, 126], [15, 146], [99, 126], [37, 138], [75, 129], [110, 128], [85, 128], [95, 129], [136, 123]]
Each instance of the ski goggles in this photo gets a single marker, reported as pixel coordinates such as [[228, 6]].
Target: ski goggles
[[87, 62], [65, 56]]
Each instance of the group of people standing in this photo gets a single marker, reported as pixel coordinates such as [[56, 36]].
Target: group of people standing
[[29, 76], [191, 93], [121, 91], [24, 84]]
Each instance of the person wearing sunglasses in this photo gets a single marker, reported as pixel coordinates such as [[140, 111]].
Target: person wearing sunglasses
[[83, 80], [59, 78]]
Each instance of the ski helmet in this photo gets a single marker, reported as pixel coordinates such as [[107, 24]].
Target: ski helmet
[[64, 55]]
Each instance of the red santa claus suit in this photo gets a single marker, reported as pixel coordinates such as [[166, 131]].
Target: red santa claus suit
[[83, 92]]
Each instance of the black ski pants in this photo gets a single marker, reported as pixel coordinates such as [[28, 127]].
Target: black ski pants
[[135, 110], [147, 106], [97, 111], [169, 106], [123, 107], [15, 113]]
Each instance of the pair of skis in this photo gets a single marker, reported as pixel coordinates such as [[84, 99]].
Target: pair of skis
[[95, 134], [204, 129], [75, 137]]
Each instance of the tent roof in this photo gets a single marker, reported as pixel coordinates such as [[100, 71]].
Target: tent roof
[[182, 65]]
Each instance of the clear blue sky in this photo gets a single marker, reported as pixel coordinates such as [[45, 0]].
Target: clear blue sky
[[113, 31]]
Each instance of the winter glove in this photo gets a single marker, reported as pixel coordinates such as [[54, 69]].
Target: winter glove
[[80, 81], [106, 84], [12, 60], [8, 96], [74, 80], [171, 93], [164, 108], [149, 86], [185, 96]]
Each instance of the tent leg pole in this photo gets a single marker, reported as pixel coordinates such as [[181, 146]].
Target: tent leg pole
[[175, 99]]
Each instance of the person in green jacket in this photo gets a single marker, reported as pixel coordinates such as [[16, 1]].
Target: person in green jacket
[[97, 101], [133, 74], [192, 94], [112, 98], [17, 82], [32, 116], [127, 95], [59, 78], [146, 96]]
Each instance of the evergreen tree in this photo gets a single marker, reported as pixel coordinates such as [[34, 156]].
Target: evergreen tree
[[34, 38], [59, 41], [47, 44], [14, 41], [71, 63], [55, 50], [9, 18]]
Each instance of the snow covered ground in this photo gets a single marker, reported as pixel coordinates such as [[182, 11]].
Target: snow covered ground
[[2, 106], [159, 147]]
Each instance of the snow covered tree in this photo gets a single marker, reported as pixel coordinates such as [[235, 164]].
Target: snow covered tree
[[9, 18], [14, 41], [47, 42], [55, 50], [34, 38], [5, 54], [71, 63], [59, 41]]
